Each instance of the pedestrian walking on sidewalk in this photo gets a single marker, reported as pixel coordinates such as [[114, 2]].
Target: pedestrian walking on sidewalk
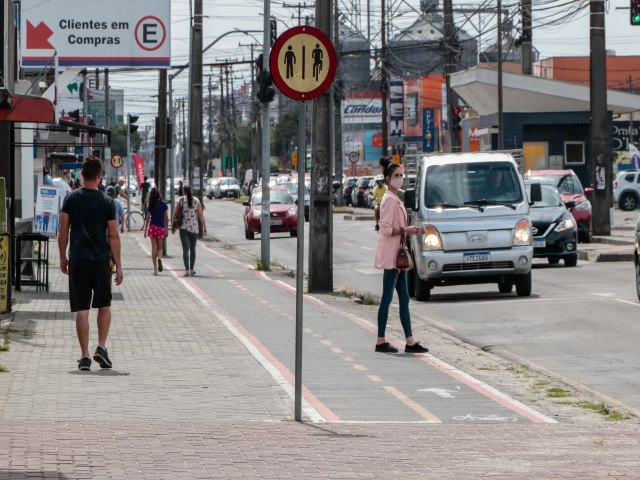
[[189, 208], [156, 227], [88, 227], [393, 224]]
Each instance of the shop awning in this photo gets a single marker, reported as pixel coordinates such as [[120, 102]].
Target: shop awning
[[28, 110]]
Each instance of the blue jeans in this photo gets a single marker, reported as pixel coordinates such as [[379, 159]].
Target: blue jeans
[[394, 279]]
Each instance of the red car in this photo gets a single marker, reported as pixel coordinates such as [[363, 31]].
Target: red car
[[283, 210], [570, 188]]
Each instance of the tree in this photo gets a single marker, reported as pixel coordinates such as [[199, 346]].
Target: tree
[[119, 139]]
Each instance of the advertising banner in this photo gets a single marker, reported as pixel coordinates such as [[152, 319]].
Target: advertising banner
[[361, 110], [138, 165], [428, 130], [396, 109], [5, 279], [48, 200], [94, 33]]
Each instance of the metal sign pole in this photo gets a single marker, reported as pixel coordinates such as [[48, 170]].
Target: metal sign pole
[[302, 150]]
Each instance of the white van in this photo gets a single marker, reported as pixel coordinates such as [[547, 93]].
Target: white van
[[472, 209]]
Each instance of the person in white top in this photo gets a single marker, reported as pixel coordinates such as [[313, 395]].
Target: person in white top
[[189, 207]]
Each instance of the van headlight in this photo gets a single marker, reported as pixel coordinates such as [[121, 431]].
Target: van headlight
[[522, 233], [431, 238], [564, 225]]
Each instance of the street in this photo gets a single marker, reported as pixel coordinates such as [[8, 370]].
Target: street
[[579, 323]]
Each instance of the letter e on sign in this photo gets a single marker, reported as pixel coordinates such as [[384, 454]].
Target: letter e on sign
[[150, 33]]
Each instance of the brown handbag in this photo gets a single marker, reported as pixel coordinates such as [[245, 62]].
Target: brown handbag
[[403, 262]]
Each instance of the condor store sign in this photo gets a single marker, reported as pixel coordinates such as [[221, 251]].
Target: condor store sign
[[362, 110], [95, 33]]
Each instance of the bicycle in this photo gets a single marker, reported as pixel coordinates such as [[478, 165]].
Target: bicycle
[[133, 219]]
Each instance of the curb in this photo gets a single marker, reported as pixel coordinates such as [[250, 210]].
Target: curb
[[358, 217], [604, 257]]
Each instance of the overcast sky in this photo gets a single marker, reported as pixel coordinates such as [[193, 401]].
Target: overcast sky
[[569, 37]]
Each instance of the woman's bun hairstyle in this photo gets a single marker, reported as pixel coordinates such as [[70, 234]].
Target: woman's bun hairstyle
[[384, 162]]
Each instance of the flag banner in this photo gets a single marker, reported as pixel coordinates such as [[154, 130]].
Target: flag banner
[[138, 165]]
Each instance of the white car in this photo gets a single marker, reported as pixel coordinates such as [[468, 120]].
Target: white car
[[626, 189], [227, 187]]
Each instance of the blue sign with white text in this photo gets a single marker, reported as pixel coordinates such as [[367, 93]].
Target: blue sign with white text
[[428, 130]]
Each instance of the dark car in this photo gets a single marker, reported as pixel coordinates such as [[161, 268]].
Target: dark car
[[282, 208], [554, 230], [570, 189]]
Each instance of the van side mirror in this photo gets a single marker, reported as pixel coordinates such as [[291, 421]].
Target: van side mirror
[[410, 198], [536, 193], [570, 204]]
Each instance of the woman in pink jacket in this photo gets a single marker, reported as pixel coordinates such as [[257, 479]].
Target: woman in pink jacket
[[393, 223]]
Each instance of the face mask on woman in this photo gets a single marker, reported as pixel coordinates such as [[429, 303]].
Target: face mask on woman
[[396, 182]]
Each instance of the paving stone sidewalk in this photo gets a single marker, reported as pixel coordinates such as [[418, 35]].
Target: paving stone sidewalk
[[187, 400]]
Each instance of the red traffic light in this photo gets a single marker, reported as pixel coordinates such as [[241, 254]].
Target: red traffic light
[[457, 110]]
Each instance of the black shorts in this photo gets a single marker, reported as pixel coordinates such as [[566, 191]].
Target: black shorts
[[87, 279]]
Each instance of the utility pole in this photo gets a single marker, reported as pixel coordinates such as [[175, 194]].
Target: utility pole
[[162, 133], [384, 82], [223, 126], [106, 156], [321, 221], [338, 95], [450, 66], [500, 97], [630, 114], [265, 217], [600, 163], [299, 7], [195, 88], [210, 122], [234, 132], [526, 45], [184, 140]]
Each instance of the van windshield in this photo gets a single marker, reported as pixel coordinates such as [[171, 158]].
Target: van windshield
[[469, 184]]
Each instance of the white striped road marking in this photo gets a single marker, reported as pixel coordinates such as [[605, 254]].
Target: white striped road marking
[[419, 409]]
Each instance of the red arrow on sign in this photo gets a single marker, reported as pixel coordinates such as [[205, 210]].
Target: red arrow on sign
[[38, 37]]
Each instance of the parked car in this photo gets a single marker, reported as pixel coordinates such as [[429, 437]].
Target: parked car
[[570, 188], [211, 187], [347, 187], [227, 187], [554, 230], [358, 194], [293, 190], [282, 209], [626, 189]]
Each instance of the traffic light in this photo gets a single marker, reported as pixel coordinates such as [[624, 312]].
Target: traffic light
[[75, 117], [91, 123], [266, 93], [634, 8], [456, 119], [274, 31], [131, 120]]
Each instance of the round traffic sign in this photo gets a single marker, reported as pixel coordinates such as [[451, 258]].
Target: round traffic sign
[[116, 161], [303, 63], [354, 157]]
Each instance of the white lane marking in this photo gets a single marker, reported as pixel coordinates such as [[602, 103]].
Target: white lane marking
[[441, 392], [635, 304], [349, 244], [366, 248], [368, 271], [485, 418], [288, 388]]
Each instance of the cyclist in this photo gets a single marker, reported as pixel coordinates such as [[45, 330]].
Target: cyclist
[[378, 192]]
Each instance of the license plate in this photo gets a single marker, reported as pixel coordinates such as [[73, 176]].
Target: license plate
[[476, 257], [276, 222], [539, 243]]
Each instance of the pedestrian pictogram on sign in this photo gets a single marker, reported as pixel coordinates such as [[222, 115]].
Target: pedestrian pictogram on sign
[[303, 63], [116, 161]]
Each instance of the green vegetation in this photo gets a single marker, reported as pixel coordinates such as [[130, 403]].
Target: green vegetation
[[599, 408], [5, 344], [557, 393]]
